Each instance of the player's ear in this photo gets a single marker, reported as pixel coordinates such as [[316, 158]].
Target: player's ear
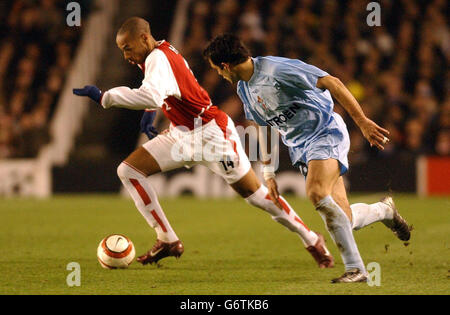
[[143, 37]]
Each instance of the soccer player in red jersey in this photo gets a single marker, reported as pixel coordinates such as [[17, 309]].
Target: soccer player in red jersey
[[170, 85]]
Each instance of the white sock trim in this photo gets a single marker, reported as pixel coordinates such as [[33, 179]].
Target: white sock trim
[[146, 201], [286, 216], [365, 214]]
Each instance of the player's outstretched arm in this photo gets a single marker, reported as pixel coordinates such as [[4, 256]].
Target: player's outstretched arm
[[147, 119], [146, 97], [124, 97], [376, 135]]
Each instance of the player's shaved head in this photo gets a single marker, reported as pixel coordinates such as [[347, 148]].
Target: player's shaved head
[[134, 26], [135, 40]]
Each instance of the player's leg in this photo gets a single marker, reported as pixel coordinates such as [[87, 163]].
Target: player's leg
[[339, 194], [256, 194], [383, 211], [365, 214], [323, 176], [237, 172], [362, 214], [134, 172]]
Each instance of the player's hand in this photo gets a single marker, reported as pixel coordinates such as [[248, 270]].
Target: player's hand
[[90, 91], [274, 195], [147, 124], [376, 135]]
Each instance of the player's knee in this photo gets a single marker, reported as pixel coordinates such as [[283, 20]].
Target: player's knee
[[316, 194], [122, 170]]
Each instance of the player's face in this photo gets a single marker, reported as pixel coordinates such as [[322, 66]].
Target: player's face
[[225, 72], [135, 50]]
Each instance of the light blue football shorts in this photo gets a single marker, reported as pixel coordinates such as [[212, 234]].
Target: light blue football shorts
[[332, 143]]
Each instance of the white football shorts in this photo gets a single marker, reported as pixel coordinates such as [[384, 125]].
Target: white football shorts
[[209, 145]]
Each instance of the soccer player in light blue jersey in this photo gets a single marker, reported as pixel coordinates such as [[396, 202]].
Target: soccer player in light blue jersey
[[297, 99]]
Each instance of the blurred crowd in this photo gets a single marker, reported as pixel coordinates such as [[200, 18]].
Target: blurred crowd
[[36, 50], [399, 71]]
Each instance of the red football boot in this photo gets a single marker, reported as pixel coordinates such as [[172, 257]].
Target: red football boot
[[162, 250], [321, 254]]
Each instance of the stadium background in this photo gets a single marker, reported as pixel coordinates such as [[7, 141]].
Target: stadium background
[[50, 142]]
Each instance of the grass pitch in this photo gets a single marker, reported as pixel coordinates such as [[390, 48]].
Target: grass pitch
[[230, 248]]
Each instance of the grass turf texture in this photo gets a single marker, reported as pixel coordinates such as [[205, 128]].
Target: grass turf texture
[[230, 248]]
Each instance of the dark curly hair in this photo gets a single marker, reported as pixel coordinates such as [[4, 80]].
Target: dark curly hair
[[226, 48]]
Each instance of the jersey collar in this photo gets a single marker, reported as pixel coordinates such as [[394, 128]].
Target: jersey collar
[[255, 69]]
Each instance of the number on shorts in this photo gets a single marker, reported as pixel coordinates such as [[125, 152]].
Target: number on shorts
[[227, 164]]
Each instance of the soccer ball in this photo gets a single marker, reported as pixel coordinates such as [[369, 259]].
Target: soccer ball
[[115, 251]]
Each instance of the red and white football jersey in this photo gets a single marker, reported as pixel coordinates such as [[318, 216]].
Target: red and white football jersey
[[168, 84]]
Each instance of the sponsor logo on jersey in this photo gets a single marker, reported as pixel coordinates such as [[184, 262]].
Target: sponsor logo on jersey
[[284, 117]]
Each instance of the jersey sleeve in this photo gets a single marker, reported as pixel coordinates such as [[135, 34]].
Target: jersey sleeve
[[299, 74], [158, 84]]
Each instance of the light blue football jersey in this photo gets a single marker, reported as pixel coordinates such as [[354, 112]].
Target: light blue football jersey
[[282, 94]]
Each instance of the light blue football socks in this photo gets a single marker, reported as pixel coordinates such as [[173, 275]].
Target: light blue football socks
[[340, 229]]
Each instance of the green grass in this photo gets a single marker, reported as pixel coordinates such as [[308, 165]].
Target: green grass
[[230, 248]]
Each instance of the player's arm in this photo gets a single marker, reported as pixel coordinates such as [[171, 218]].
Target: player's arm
[[376, 135], [143, 98], [146, 97], [269, 161], [147, 119], [159, 83]]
